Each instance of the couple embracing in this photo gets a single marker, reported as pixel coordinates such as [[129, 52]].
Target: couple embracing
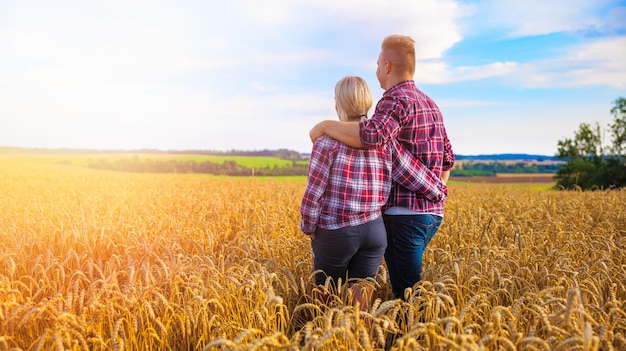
[[376, 186]]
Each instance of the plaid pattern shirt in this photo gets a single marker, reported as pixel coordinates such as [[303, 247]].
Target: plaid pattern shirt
[[348, 187], [406, 114]]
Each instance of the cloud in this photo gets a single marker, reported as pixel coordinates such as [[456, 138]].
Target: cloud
[[439, 72], [161, 44], [459, 103], [599, 63], [431, 23], [616, 20], [521, 18]]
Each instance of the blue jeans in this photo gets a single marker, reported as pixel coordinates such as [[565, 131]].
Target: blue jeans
[[407, 238]]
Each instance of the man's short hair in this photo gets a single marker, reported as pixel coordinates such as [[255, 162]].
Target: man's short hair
[[400, 51]]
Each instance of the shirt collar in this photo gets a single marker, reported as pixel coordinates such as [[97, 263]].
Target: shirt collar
[[408, 82]]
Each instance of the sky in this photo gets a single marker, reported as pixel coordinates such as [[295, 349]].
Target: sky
[[509, 76]]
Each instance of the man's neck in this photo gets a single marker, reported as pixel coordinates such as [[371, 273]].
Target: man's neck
[[395, 80]]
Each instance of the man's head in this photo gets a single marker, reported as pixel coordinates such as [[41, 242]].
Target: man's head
[[353, 98], [396, 61]]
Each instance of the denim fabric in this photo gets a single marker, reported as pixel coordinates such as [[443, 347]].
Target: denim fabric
[[407, 238], [356, 251]]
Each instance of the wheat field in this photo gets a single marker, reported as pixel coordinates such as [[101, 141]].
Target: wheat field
[[97, 260]]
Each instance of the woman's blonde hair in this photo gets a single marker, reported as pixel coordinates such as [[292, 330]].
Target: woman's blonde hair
[[353, 98], [400, 51]]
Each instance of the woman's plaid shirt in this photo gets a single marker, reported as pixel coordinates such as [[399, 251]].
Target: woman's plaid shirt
[[406, 114], [348, 187]]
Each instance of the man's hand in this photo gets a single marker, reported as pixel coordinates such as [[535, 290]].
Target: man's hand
[[317, 131], [445, 175]]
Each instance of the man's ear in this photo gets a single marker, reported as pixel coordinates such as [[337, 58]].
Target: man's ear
[[387, 67]]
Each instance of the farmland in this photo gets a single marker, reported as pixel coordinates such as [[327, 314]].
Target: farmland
[[86, 159], [509, 178], [97, 260]]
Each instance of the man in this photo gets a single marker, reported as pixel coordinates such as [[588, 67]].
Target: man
[[415, 121]]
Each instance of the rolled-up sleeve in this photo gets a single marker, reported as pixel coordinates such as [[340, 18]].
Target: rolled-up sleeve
[[383, 126], [448, 154]]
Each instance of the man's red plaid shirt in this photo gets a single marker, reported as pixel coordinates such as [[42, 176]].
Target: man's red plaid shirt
[[406, 114]]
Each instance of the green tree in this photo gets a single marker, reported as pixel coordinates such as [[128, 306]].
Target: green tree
[[588, 165], [618, 127], [587, 143]]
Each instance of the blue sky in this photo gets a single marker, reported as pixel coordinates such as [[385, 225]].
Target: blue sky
[[510, 76]]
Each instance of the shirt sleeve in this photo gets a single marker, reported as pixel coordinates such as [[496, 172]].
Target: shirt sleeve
[[383, 125], [411, 173], [319, 170], [448, 154]]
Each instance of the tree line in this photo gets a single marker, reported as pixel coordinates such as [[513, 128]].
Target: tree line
[[232, 168], [228, 167], [590, 162]]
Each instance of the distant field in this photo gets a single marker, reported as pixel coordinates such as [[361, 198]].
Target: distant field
[[537, 180], [246, 161], [85, 159], [510, 178], [462, 161]]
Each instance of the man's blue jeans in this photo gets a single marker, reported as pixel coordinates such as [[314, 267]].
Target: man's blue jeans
[[407, 238]]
